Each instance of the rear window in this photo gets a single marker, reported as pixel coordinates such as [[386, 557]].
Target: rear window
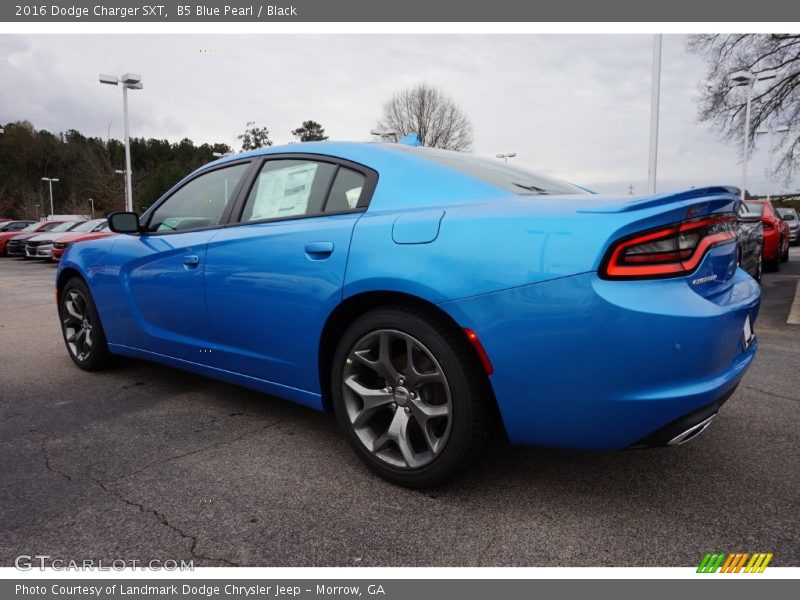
[[495, 172], [755, 207]]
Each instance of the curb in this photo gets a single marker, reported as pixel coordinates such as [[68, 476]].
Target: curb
[[794, 313]]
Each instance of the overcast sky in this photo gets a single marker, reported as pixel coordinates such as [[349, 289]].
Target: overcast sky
[[576, 107]]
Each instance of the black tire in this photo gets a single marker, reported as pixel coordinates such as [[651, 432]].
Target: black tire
[[462, 374], [97, 357], [785, 255]]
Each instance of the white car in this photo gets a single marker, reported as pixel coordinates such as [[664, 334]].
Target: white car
[[39, 246]]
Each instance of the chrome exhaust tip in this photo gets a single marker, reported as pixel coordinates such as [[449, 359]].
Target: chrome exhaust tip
[[693, 431]]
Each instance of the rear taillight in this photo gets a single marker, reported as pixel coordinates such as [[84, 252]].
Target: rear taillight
[[767, 225], [668, 251]]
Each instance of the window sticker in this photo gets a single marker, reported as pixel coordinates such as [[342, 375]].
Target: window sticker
[[284, 192]]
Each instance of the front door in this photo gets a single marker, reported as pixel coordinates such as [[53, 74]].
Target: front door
[[272, 280], [162, 301]]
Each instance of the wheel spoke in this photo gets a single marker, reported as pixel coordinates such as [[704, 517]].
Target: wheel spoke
[[424, 412], [72, 309], [371, 399]]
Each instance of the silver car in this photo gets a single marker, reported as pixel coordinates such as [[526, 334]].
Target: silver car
[[793, 221], [40, 246]]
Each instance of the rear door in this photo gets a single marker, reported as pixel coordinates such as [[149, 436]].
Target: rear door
[[273, 278], [162, 305]]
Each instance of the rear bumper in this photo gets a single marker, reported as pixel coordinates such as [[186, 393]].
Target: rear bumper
[[581, 362], [771, 240]]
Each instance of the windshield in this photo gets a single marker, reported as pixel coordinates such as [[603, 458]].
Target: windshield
[[495, 172], [65, 226], [88, 226], [755, 207], [32, 227], [787, 214]]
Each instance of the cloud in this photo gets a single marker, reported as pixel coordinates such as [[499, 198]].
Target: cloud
[[576, 107]]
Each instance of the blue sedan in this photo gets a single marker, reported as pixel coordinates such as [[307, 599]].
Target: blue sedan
[[421, 294]]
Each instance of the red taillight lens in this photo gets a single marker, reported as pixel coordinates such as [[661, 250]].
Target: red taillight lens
[[670, 251]]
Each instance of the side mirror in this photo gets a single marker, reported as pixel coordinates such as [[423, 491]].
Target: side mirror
[[749, 217], [123, 222]]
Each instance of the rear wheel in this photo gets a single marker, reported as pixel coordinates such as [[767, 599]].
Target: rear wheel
[[785, 253], [409, 395], [80, 325]]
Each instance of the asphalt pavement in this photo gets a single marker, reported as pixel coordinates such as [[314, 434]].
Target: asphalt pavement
[[144, 462]]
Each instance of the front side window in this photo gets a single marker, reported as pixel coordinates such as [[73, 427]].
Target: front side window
[[288, 188], [198, 204]]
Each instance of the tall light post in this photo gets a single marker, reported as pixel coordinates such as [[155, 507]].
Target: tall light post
[[655, 103], [129, 81], [747, 79], [506, 155], [50, 181], [770, 132], [91, 201], [124, 186], [36, 206]]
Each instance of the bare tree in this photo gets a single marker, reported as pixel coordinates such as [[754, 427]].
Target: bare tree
[[428, 112], [774, 101]]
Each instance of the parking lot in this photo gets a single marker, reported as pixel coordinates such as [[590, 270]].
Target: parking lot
[[144, 462]]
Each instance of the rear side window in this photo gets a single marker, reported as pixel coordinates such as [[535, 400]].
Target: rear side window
[[346, 190], [198, 204], [291, 188]]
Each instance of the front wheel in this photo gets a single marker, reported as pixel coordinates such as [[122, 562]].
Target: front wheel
[[409, 394], [80, 325], [785, 253]]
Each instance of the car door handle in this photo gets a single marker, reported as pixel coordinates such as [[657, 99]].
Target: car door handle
[[319, 250], [192, 260]]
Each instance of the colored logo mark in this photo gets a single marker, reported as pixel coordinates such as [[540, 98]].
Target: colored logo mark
[[734, 562]]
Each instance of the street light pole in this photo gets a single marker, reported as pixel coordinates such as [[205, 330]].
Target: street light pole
[[91, 201], [771, 131], [129, 81], [124, 186], [655, 102], [748, 79], [506, 155], [50, 181]]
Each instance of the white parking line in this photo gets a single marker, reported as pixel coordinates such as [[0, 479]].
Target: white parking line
[[794, 313]]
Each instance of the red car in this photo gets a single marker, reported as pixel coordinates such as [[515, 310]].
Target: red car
[[776, 233], [64, 241], [37, 227]]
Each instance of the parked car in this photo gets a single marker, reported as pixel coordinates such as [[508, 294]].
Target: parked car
[[790, 216], [73, 238], [416, 291], [776, 233], [40, 246], [24, 233], [17, 245], [750, 233], [14, 225]]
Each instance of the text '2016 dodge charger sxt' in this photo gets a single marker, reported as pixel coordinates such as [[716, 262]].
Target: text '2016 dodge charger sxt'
[[414, 291]]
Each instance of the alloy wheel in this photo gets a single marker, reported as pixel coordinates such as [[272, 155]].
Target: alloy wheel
[[77, 323], [397, 399]]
